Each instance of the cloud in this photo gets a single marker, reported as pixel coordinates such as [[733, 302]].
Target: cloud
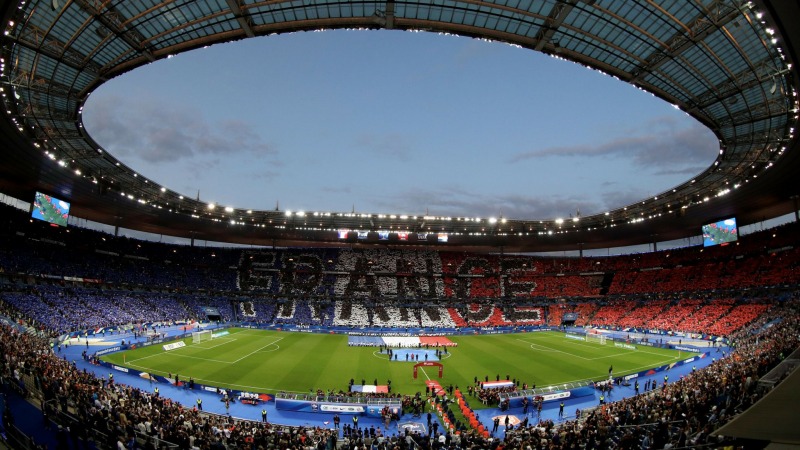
[[395, 146], [161, 145], [105, 126], [219, 173], [659, 147], [267, 175], [621, 198], [338, 189], [458, 202], [690, 171], [157, 132]]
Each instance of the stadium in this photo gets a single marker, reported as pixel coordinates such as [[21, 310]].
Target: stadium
[[388, 330]]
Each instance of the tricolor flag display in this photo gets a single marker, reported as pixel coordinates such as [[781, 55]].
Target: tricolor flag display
[[400, 341], [370, 388]]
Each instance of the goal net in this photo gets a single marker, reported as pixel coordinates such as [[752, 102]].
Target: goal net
[[598, 338], [201, 336]]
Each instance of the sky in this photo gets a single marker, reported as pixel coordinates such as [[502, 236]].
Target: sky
[[395, 122]]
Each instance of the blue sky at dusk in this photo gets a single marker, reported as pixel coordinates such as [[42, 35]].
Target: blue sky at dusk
[[395, 122]]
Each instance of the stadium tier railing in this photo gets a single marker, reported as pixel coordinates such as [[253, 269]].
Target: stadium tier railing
[[553, 388], [337, 398], [777, 374], [16, 439]]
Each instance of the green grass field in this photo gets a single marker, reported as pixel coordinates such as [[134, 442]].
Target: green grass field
[[271, 361]]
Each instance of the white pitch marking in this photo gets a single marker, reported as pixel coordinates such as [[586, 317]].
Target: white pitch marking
[[254, 351]]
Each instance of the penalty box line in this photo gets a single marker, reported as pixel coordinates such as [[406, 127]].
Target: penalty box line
[[198, 346], [586, 344], [546, 336], [638, 349], [572, 354], [227, 341], [181, 355]]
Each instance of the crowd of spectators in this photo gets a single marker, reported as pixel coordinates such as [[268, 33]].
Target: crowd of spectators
[[58, 309], [585, 311], [196, 304], [295, 287], [680, 414], [66, 309], [683, 413], [116, 414], [349, 313], [643, 313], [34, 248], [767, 258], [612, 312]]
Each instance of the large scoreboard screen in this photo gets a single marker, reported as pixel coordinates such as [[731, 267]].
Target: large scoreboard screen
[[720, 233], [50, 209]]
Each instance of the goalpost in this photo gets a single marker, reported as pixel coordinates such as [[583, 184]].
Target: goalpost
[[598, 338], [201, 336]]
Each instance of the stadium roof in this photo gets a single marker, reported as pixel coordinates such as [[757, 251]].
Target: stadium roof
[[730, 64]]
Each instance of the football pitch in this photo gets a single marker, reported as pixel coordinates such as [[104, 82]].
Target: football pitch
[[271, 361]]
